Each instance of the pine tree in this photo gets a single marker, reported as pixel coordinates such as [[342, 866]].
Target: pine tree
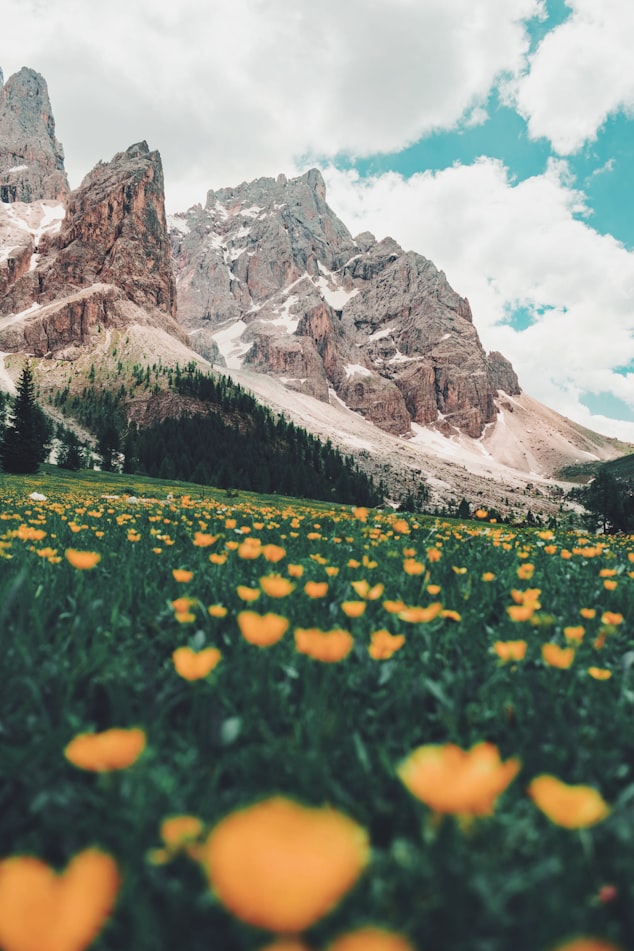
[[27, 435]]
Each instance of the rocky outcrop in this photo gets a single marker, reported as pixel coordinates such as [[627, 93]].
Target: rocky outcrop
[[31, 158], [395, 342], [111, 249]]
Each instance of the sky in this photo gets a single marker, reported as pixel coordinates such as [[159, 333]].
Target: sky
[[495, 137]]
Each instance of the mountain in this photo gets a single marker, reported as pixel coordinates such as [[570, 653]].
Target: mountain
[[354, 338]]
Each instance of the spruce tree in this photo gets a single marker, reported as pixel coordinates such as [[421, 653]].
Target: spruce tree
[[27, 435]]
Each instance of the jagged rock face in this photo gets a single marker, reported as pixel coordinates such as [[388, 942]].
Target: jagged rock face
[[111, 244], [266, 263], [31, 158]]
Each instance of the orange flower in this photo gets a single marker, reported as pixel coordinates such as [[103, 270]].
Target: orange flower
[[250, 549], [588, 613], [102, 752], [384, 644], [612, 617], [413, 567], [416, 615], [182, 576], [296, 571], [42, 910], [488, 576], [575, 633], [274, 553], [218, 558], [433, 589], [573, 807], [510, 650], [201, 540], [370, 939], [82, 560], [394, 607], [179, 831], [401, 526], [282, 866], [326, 646], [481, 513], [276, 586], [316, 589], [609, 584], [452, 780], [262, 629], [247, 594], [195, 666], [353, 608], [525, 571], [556, 656], [286, 944], [434, 554], [216, 610], [366, 591], [520, 612], [599, 673]]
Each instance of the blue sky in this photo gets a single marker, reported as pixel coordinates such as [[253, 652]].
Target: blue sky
[[496, 137]]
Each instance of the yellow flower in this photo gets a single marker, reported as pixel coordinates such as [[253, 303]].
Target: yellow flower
[[353, 608], [481, 513], [433, 589], [611, 617], [575, 633], [599, 673], [488, 576], [83, 560], [383, 644], [434, 554], [419, 615], [262, 629], [510, 650], [201, 540], [413, 567], [326, 646], [451, 615], [525, 571], [274, 553], [449, 779], [216, 610], [250, 549], [573, 807], [588, 613], [247, 594], [282, 866], [393, 607], [296, 571], [182, 576], [195, 666], [102, 752], [366, 591], [42, 910], [316, 589], [276, 586], [370, 939], [179, 831], [218, 558], [609, 584], [556, 656]]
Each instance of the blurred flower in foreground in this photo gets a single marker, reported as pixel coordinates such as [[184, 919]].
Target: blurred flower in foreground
[[192, 665], [82, 560], [370, 939], [102, 752], [281, 866], [326, 646], [286, 944], [461, 782], [262, 629], [573, 807], [42, 910]]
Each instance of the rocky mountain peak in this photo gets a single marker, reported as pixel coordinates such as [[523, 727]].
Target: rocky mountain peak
[[31, 158], [270, 279]]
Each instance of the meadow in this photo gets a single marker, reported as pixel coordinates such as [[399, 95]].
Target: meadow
[[247, 723]]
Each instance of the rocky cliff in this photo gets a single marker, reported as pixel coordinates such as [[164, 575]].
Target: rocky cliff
[[67, 271], [31, 158], [270, 279]]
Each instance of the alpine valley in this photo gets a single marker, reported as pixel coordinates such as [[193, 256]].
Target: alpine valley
[[352, 338]]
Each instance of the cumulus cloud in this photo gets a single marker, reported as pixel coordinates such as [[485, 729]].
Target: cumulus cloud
[[237, 90], [582, 72], [508, 245]]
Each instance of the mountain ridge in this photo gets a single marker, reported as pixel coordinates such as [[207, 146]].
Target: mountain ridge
[[354, 338]]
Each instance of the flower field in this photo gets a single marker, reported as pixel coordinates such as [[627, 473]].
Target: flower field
[[257, 724]]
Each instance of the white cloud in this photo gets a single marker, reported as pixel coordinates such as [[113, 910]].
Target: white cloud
[[582, 72], [235, 90], [506, 245]]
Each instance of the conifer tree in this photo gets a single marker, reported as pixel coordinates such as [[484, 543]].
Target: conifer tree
[[27, 435]]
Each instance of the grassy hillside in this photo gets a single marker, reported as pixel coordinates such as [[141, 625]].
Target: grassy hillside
[[326, 645]]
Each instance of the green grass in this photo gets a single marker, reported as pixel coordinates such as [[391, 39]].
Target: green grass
[[89, 650]]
